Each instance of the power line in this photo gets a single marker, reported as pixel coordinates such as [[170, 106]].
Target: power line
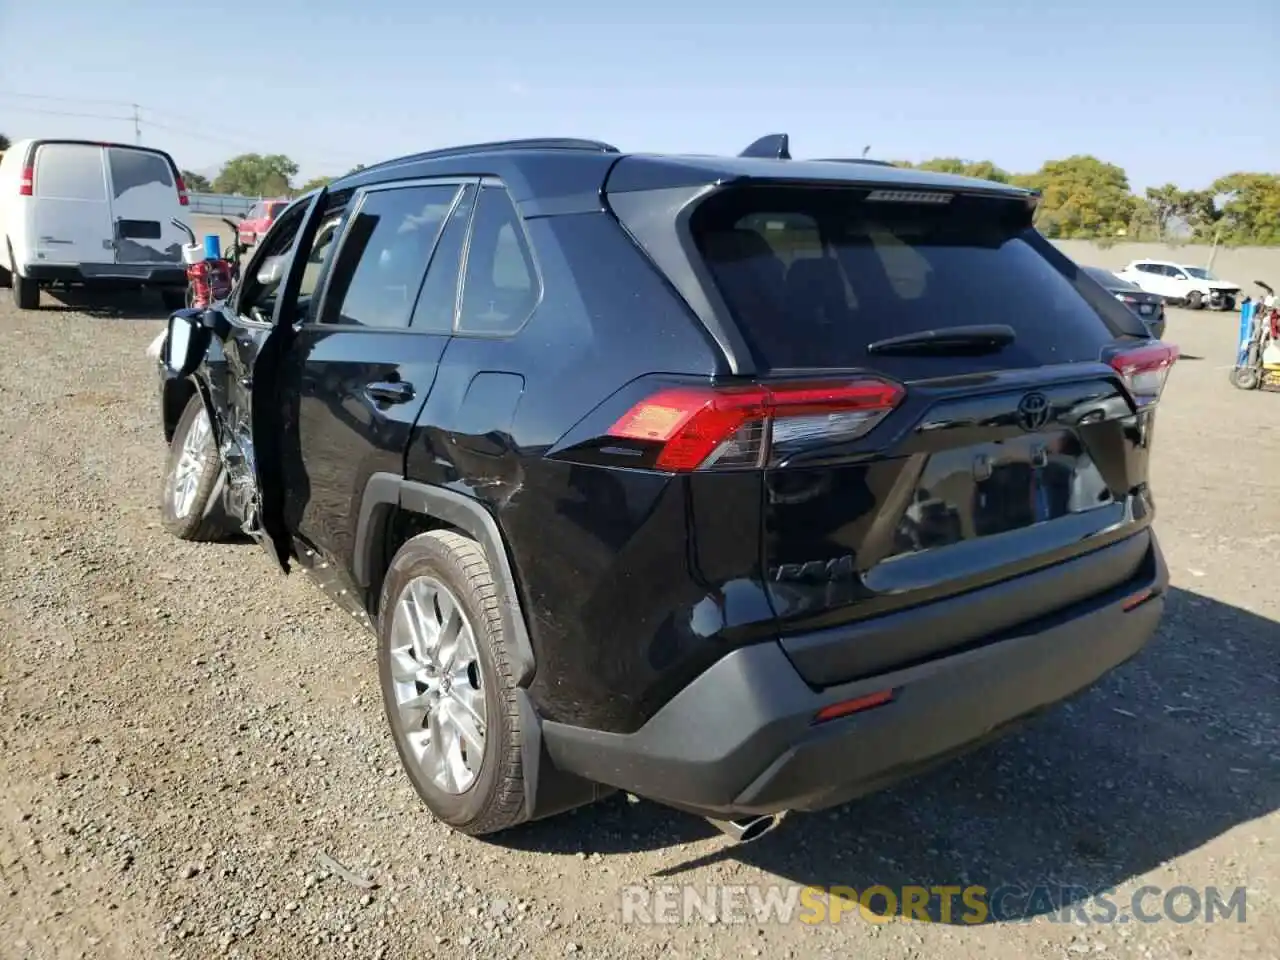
[[41, 96], [64, 113], [138, 119]]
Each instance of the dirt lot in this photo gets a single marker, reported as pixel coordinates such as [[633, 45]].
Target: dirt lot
[[183, 731]]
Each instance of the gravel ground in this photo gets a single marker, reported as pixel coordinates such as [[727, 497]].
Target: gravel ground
[[184, 733]]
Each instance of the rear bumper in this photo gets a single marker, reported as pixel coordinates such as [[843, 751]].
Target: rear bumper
[[92, 274], [741, 739]]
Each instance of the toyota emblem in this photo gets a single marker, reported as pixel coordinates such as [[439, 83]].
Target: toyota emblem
[[1033, 411]]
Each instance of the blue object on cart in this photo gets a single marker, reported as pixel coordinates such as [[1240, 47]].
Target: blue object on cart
[[1247, 310], [212, 246]]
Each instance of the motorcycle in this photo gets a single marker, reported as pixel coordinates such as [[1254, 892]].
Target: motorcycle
[[211, 275], [1258, 349]]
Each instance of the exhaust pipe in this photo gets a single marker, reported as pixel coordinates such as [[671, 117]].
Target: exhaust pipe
[[746, 829]]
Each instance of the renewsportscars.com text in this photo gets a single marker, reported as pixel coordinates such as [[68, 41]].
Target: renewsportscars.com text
[[973, 904]]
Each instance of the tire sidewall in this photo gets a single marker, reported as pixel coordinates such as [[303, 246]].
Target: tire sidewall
[[186, 527], [429, 556]]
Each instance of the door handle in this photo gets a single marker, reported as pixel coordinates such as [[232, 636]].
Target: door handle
[[387, 391]]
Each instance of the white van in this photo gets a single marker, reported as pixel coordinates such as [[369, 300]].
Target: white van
[[77, 213]]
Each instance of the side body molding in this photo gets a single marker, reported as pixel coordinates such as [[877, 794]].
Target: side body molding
[[384, 493]]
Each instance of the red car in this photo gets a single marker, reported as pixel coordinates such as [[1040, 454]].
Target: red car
[[259, 219]]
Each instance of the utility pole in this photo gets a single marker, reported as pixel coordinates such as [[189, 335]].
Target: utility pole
[[137, 126]]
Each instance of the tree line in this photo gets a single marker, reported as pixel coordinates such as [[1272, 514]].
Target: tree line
[[1082, 197]]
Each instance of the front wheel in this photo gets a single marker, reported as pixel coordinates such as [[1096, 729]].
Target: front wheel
[[1246, 378], [190, 477], [1195, 300], [447, 684]]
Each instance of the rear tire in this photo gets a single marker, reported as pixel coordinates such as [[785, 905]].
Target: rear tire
[[5, 277], [1195, 300], [430, 573], [190, 476], [26, 292]]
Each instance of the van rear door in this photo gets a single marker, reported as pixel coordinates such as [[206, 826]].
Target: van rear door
[[144, 198], [71, 212]]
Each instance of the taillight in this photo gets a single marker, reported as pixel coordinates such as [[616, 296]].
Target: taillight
[[1145, 369], [702, 428], [182, 191], [27, 182]]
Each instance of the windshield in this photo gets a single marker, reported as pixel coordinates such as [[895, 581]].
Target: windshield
[[1200, 273]]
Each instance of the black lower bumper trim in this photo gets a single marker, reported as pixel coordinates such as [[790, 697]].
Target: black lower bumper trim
[[108, 274], [741, 739]]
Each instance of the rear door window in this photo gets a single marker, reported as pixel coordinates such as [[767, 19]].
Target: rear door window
[[385, 250], [70, 171], [137, 168], [812, 276]]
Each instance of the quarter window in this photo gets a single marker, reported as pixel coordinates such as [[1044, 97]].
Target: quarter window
[[501, 286]]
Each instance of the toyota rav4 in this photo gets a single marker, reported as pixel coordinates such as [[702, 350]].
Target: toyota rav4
[[745, 484]]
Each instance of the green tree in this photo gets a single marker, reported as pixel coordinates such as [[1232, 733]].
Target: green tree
[[1249, 208], [1081, 196], [257, 175], [1163, 205], [313, 184], [196, 181], [4, 143], [982, 169]]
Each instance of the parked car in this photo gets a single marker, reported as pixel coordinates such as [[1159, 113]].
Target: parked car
[[744, 484], [1193, 287], [75, 213], [1148, 306], [259, 219]]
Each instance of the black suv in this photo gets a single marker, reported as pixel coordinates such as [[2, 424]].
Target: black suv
[[745, 484]]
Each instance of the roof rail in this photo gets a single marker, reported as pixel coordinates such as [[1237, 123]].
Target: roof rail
[[874, 163], [774, 146], [497, 146]]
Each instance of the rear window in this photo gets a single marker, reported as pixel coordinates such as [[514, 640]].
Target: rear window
[[70, 171], [131, 169], [813, 275]]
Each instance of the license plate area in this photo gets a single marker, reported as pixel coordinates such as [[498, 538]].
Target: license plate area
[[991, 488]]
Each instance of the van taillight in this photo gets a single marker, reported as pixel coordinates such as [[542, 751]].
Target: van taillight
[[704, 428], [1145, 370], [27, 182], [182, 191]]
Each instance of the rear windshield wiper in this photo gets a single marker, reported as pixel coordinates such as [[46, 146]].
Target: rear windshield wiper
[[979, 338]]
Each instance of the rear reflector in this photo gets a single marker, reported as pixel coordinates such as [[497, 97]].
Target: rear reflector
[[702, 428], [27, 182], [1145, 369], [856, 705], [1138, 599], [182, 191]]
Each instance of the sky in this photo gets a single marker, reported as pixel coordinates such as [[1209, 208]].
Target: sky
[[1171, 91]]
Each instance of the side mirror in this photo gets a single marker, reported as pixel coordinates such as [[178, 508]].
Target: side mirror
[[185, 343]]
